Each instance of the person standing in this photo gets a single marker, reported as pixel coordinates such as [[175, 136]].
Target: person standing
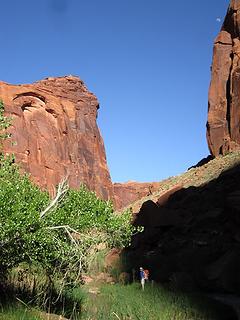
[[142, 277], [146, 274]]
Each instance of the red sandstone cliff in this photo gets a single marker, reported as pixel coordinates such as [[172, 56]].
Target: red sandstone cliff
[[55, 133], [223, 126]]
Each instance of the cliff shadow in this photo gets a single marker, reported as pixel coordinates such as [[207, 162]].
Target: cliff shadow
[[191, 243]]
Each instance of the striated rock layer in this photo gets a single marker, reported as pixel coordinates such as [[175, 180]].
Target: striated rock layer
[[223, 126], [55, 133]]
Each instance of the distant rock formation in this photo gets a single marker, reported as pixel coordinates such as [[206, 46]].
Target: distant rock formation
[[223, 126], [55, 133], [129, 192]]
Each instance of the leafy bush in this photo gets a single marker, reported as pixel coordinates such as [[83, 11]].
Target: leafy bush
[[63, 239], [22, 233], [64, 235]]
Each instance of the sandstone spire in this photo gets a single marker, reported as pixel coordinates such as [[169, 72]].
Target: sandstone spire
[[223, 126]]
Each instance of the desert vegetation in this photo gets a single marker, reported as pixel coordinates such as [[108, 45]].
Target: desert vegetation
[[55, 238], [129, 303]]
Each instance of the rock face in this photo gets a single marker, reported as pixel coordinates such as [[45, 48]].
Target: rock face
[[223, 126], [55, 133], [129, 192]]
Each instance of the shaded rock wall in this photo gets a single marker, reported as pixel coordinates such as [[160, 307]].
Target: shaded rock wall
[[192, 239], [223, 126], [55, 133]]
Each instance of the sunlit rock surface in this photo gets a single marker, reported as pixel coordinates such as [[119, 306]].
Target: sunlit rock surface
[[223, 126], [55, 133]]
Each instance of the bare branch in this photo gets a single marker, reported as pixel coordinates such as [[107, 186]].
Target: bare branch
[[66, 228], [61, 191]]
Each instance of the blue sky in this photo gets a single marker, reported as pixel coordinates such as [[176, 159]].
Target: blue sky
[[147, 61]]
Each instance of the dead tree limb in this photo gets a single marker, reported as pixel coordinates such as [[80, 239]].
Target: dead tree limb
[[61, 191]]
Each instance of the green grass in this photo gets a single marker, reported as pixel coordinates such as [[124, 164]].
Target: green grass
[[117, 302], [31, 287], [97, 262], [17, 313]]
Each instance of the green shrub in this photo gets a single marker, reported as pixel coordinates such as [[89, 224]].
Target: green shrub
[[62, 237], [63, 240]]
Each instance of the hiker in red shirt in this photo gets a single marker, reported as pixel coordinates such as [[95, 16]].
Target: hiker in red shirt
[[144, 276]]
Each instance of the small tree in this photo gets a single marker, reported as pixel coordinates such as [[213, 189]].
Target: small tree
[[59, 235]]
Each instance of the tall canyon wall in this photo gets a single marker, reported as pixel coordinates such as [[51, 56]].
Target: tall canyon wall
[[223, 126], [55, 133]]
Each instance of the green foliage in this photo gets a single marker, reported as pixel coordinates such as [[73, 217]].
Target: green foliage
[[23, 236], [83, 211], [5, 122], [31, 286], [62, 242], [64, 236], [97, 263]]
